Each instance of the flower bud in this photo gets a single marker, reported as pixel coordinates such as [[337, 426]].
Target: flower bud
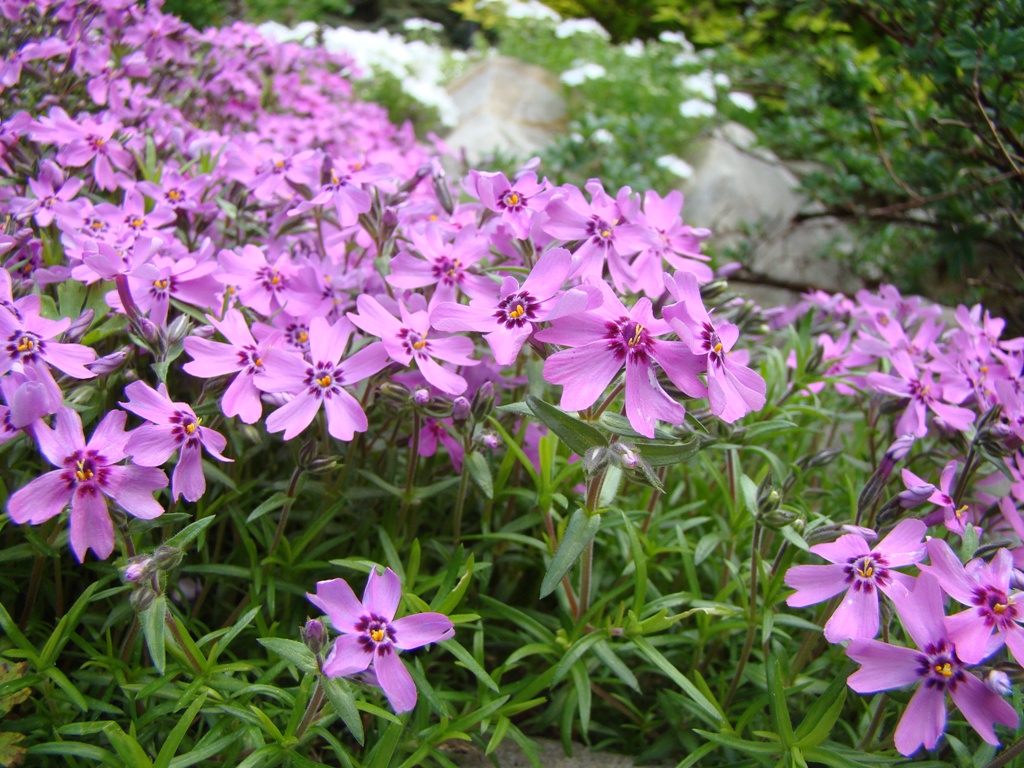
[[491, 440], [322, 464], [147, 329], [141, 599], [314, 635], [204, 332], [78, 329], [999, 682], [915, 495], [779, 518], [107, 364], [165, 557], [483, 401], [460, 409], [624, 455], [421, 396], [137, 569], [178, 329], [394, 392], [595, 459]]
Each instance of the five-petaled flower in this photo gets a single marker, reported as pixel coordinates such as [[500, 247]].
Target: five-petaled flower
[[372, 636]]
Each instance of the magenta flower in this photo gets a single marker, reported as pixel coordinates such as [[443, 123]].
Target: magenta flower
[[508, 320], [937, 668], [610, 337], [408, 341], [88, 474], [517, 203], [242, 355], [862, 572], [985, 587], [924, 393], [173, 427], [954, 516], [321, 382], [733, 389], [371, 635]]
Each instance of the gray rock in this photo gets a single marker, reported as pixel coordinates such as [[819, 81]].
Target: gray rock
[[749, 199], [507, 107], [549, 752]]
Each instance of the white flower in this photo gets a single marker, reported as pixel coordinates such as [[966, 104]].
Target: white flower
[[602, 136], [722, 80], [571, 27], [677, 38], [703, 84], [675, 165], [697, 108], [743, 100], [414, 25], [634, 49], [579, 75], [531, 10], [685, 59]]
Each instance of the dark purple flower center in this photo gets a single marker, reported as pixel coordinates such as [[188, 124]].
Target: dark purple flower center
[[375, 634], [939, 666], [272, 280], [600, 231], [711, 343], [186, 427], [447, 271], [162, 287], [866, 572], [85, 467], [995, 607], [175, 196], [512, 201], [135, 222], [249, 359], [517, 309], [627, 339], [415, 343], [324, 380], [921, 391], [25, 346], [298, 336]]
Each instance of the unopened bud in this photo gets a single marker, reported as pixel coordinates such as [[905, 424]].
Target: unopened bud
[[314, 635], [78, 328], [107, 364], [178, 329], [625, 455], [595, 459], [147, 329], [165, 557], [491, 440], [999, 682], [444, 196], [322, 465], [915, 495], [460, 409], [204, 331], [137, 569], [394, 392], [141, 599], [483, 401], [779, 518], [421, 396]]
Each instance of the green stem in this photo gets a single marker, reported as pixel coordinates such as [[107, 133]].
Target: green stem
[[1014, 750], [176, 633], [279, 533], [876, 721], [586, 569], [460, 503], [312, 710], [410, 475], [748, 644]]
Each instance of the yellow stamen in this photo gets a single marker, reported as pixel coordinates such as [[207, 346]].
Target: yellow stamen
[[302, 337], [944, 669], [161, 283], [376, 635], [174, 195], [718, 347], [959, 513], [420, 344], [275, 279], [512, 199], [257, 361], [866, 571], [606, 233], [26, 344], [137, 222], [82, 473], [984, 369], [518, 312], [230, 290], [192, 426], [637, 330], [325, 381], [279, 164], [1000, 607]]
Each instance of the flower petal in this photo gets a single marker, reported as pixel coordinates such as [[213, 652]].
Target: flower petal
[[336, 598], [348, 655], [91, 526], [382, 594], [396, 681], [421, 629], [923, 721]]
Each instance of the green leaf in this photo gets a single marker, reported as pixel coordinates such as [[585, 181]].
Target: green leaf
[[662, 455], [454, 597], [170, 745], [578, 435], [639, 565], [580, 531], [380, 756], [742, 745], [611, 659], [232, 633], [344, 703], [708, 709], [276, 501], [291, 650], [823, 714], [453, 647], [127, 748], [480, 471], [575, 651], [777, 702], [65, 627], [186, 535], [153, 627]]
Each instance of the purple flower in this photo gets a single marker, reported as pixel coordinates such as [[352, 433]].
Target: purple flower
[[517, 203], [174, 427], [88, 473], [936, 667], [610, 337], [985, 587], [924, 393], [370, 634], [320, 382], [862, 572], [508, 319]]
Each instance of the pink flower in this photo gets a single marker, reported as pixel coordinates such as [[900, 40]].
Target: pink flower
[[371, 635], [320, 382], [937, 668], [517, 203], [606, 339], [862, 572], [173, 427], [985, 587], [88, 474], [924, 393]]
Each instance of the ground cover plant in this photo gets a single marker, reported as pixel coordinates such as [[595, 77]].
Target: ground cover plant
[[316, 456]]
